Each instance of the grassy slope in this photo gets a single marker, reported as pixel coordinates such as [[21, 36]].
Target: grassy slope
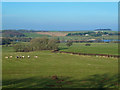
[[34, 35], [95, 48], [33, 72]]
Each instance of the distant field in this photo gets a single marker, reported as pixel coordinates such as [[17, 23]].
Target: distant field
[[95, 48], [52, 33], [82, 31], [62, 36], [87, 37], [34, 35], [75, 71]]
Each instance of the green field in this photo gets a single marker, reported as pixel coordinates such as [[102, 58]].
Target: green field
[[34, 35], [75, 71], [95, 48]]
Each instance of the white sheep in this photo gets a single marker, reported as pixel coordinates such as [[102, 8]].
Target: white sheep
[[11, 56], [36, 56], [28, 56], [97, 56], [6, 57], [23, 56]]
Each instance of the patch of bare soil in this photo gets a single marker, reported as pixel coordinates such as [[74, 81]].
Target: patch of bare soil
[[52, 33]]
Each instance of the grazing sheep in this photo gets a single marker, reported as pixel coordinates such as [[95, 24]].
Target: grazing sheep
[[6, 57], [36, 56], [17, 56], [28, 56], [23, 56], [97, 56], [11, 56], [20, 56]]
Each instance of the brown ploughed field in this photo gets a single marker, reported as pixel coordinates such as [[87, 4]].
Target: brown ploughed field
[[52, 33]]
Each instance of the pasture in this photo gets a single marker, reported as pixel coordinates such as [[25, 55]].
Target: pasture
[[95, 48], [62, 35], [34, 35], [73, 71]]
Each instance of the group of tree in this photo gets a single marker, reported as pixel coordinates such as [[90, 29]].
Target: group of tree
[[5, 41], [91, 33], [22, 47], [103, 29], [25, 30], [37, 44], [12, 33], [69, 43], [21, 39]]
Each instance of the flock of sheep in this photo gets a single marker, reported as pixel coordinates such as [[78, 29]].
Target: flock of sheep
[[20, 56]]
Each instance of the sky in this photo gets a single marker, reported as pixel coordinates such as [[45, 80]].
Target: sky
[[60, 16]]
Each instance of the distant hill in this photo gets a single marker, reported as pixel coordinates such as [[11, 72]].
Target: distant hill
[[102, 30]]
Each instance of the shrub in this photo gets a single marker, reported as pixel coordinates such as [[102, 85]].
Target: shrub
[[87, 44], [44, 44], [69, 43], [22, 47]]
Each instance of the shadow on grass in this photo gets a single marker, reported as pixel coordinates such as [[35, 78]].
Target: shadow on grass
[[94, 81], [62, 48]]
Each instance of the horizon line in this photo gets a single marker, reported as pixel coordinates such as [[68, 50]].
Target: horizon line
[[60, 1], [56, 30]]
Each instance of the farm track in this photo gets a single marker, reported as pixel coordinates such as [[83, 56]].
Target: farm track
[[104, 55]]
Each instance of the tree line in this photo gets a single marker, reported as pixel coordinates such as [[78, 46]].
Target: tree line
[[8, 40], [95, 34], [12, 33]]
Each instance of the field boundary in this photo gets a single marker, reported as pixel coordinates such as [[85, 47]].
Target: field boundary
[[104, 55]]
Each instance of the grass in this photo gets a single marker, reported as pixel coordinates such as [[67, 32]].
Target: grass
[[95, 48], [34, 35], [74, 71]]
